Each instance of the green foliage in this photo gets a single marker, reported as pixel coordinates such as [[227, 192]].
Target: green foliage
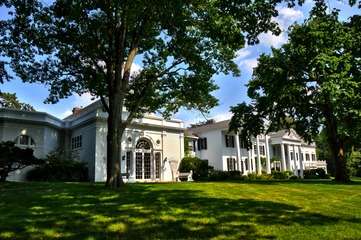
[[58, 168], [354, 162], [218, 175], [8, 100], [293, 177], [13, 158], [198, 166], [312, 81], [180, 44], [318, 173], [281, 175]]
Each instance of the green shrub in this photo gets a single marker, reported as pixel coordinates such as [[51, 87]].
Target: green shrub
[[199, 167], [252, 176], [318, 173], [56, 168], [281, 175], [263, 176], [294, 177], [223, 175]]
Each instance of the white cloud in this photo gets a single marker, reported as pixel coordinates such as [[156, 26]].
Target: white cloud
[[287, 16], [242, 54], [135, 68], [249, 64], [222, 116], [272, 40], [79, 101]]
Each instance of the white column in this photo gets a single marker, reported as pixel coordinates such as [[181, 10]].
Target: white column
[[294, 160], [288, 158], [243, 167], [301, 163], [259, 165], [268, 157], [249, 161], [253, 159], [283, 158], [238, 151]]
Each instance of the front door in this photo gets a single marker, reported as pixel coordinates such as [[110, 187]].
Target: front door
[[143, 165]]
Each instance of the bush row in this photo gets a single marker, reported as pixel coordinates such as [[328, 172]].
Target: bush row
[[56, 168]]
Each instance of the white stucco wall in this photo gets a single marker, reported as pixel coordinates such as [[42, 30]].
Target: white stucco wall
[[86, 153], [214, 150]]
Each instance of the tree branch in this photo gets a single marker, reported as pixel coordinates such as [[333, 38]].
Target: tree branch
[[105, 104]]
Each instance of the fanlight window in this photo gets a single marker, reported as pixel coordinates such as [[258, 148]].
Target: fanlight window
[[143, 144], [25, 140]]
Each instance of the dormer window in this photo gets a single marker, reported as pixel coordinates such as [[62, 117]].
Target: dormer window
[[25, 140]]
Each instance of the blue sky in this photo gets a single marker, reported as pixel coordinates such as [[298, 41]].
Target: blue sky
[[232, 90]]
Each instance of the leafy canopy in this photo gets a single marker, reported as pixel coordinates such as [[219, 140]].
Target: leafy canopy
[[77, 46], [316, 72]]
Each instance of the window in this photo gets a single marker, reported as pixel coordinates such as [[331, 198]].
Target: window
[[76, 142], [262, 150], [194, 145], [307, 157], [231, 164], [297, 156], [143, 144], [242, 143], [255, 149], [25, 140], [202, 143], [229, 141], [292, 156], [313, 157], [128, 158], [157, 164]]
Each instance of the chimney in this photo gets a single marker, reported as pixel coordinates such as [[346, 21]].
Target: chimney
[[76, 110]]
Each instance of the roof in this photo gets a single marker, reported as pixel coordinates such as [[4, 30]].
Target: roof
[[222, 125]]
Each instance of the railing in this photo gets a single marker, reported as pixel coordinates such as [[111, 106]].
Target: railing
[[315, 164]]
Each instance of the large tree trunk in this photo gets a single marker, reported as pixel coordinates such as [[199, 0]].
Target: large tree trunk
[[114, 138], [336, 146]]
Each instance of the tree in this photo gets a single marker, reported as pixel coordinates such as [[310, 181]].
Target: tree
[[9, 100], [90, 46], [314, 79], [13, 158]]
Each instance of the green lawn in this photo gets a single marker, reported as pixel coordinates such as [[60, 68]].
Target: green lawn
[[263, 210]]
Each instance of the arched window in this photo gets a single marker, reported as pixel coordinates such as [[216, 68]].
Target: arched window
[[143, 144], [25, 140]]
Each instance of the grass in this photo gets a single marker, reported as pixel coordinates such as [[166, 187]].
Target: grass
[[222, 210]]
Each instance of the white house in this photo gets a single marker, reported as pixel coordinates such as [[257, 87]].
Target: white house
[[152, 147], [224, 151]]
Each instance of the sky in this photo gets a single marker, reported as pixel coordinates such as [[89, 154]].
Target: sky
[[232, 90]]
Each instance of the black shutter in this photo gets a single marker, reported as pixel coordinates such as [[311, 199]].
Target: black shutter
[[205, 143]]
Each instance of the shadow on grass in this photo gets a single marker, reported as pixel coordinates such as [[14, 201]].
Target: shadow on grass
[[81, 211], [303, 181]]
